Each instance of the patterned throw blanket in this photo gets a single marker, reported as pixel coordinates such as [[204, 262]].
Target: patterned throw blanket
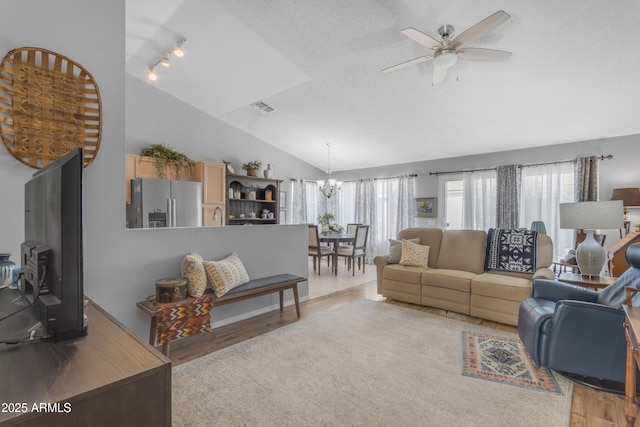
[[511, 250]]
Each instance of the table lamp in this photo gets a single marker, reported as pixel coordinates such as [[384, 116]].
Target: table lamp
[[590, 216]]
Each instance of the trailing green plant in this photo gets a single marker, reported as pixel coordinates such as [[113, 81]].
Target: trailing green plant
[[254, 164], [163, 156]]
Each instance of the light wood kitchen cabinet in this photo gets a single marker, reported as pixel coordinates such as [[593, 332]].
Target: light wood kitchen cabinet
[[213, 177], [138, 166]]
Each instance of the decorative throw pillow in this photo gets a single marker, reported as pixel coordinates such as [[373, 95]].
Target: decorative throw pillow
[[395, 250], [226, 274], [193, 271], [414, 254]]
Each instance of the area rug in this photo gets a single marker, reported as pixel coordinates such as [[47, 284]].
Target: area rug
[[364, 364], [504, 360]]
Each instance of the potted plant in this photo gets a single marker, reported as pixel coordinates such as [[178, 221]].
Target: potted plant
[[163, 156], [328, 225], [252, 167]]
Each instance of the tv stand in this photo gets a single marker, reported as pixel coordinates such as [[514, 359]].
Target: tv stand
[[109, 377]]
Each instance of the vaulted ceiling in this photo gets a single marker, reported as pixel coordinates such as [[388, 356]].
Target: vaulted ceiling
[[573, 75]]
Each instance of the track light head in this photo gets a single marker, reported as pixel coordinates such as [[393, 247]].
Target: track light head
[[177, 51], [151, 75], [165, 61]]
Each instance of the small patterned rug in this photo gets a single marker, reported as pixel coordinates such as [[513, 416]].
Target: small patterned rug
[[504, 360]]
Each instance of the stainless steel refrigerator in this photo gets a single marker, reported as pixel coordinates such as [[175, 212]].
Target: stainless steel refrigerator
[[164, 203]]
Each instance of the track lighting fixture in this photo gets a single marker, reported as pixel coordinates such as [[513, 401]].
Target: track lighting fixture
[[177, 51]]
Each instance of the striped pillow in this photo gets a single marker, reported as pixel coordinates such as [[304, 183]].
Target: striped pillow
[[225, 274]]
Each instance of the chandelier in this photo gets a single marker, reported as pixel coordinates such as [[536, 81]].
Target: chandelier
[[329, 186]]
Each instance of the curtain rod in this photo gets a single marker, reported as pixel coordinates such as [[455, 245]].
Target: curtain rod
[[411, 175], [609, 156]]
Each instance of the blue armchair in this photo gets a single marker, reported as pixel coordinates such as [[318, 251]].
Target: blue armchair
[[580, 331]]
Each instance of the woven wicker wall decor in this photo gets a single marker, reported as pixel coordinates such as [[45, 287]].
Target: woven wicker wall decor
[[49, 105]]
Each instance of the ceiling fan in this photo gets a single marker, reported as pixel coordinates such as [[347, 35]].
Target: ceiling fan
[[447, 52]]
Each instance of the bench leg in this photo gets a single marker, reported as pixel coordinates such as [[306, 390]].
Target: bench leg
[[296, 299], [165, 348], [153, 330], [281, 300]]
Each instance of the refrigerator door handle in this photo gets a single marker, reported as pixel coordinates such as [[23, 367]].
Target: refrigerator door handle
[[169, 213], [174, 220]]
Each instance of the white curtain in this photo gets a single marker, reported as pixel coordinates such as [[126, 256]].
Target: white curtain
[[346, 210], [544, 187], [299, 202], [386, 205], [479, 206]]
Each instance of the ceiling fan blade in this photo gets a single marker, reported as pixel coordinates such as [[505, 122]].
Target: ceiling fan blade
[[422, 38], [408, 63], [478, 54], [481, 29], [439, 73]]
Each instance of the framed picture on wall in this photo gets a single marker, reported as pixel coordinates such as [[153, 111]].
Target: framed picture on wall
[[426, 207]]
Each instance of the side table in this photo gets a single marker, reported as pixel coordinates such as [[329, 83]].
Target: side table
[[586, 281], [632, 333]]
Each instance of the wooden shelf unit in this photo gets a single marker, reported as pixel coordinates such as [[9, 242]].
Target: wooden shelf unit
[[244, 206]]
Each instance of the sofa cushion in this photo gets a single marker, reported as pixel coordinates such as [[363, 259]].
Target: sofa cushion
[[450, 279], [395, 249], [402, 273], [501, 286], [462, 250], [431, 237], [414, 254]]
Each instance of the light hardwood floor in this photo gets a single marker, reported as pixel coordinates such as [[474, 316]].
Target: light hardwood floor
[[590, 408]]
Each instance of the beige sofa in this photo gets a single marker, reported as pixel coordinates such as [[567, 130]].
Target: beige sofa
[[455, 279]]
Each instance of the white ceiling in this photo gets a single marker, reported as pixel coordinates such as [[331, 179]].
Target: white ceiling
[[574, 74]]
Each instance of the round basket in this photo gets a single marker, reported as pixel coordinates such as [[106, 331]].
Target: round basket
[[49, 106]]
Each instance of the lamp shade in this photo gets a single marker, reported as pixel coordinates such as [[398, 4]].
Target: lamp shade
[[591, 215], [630, 196]]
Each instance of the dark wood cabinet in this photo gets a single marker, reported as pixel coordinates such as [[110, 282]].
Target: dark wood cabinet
[[108, 378], [252, 200]]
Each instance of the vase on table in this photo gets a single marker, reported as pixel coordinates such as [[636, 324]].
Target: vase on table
[[6, 270]]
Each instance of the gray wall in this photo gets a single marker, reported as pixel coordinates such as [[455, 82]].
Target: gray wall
[[121, 266], [621, 171]]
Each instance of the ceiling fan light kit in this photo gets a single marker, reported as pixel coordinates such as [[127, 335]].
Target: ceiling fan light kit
[[447, 51]]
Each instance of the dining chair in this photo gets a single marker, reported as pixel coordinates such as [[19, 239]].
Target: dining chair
[[351, 228], [358, 250], [316, 250]]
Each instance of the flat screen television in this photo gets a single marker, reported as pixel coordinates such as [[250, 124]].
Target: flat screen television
[[51, 254]]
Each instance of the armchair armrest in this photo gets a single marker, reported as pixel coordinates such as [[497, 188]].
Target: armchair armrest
[[553, 290]]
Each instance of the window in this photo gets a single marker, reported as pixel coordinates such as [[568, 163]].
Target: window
[[544, 187]]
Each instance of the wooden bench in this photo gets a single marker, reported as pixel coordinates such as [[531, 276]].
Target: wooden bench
[[254, 288]]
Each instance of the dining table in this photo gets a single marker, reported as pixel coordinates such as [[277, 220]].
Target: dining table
[[334, 239]]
